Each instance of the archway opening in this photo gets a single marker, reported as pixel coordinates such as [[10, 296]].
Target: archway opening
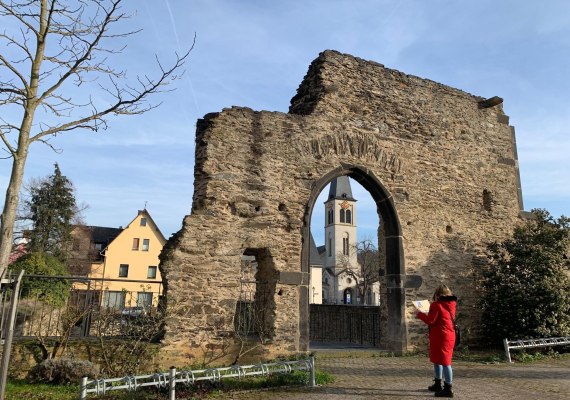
[[255, 309], [390, 265], [345, 253]]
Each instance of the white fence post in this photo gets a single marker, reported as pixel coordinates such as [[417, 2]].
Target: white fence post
[[312, 382], [83, 395], [172, 384], [507, 351]]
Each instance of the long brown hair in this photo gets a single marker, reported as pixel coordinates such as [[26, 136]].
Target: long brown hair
[[442, 290]]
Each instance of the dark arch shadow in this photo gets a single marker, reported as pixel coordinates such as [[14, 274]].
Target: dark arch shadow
[[394, 334]]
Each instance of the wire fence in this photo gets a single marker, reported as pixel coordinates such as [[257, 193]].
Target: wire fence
[[55, 306]]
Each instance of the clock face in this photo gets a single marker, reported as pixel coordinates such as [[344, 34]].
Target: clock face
[[330, 205], [344, 205]]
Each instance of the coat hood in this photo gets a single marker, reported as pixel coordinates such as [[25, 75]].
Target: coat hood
[[448, 303]]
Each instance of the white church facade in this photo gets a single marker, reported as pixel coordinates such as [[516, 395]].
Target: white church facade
[[338, 274]]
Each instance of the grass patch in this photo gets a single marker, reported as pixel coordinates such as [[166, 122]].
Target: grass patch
[[480, 356], [20, 389], [531, 356]]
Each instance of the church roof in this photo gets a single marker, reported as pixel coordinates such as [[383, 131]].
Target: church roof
[[340, 189], [315, 259]]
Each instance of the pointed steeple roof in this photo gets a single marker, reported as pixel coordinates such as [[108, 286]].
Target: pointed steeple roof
[[315, 259], [340, 189]]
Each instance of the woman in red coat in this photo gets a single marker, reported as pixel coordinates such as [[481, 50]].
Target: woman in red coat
[[441, 338]]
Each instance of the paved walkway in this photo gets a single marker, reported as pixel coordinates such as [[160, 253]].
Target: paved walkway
[[369, 376]]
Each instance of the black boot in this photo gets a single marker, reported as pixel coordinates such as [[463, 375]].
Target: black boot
[[445, 392], [436, 387]]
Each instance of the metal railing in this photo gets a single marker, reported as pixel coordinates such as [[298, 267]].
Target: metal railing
[[74, 306], [532, 343], [169, 380]]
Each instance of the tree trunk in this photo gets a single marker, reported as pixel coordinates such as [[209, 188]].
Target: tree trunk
[[10, 207], [21, 154]]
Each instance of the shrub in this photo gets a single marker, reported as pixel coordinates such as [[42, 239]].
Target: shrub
[[62, 371], [48, 290], [525, 288]]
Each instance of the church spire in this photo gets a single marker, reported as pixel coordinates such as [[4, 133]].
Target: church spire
[[340, 189]]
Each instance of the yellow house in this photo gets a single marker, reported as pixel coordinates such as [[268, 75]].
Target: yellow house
[[122, 266]]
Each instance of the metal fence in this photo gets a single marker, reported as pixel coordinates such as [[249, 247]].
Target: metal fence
[[173, 378], [533, 343], [345, 324], [55, 306]]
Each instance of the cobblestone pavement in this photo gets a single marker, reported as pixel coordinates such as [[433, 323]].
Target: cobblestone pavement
[[370, 377]]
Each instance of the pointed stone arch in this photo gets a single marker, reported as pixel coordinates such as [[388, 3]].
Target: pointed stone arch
[[394, 336]]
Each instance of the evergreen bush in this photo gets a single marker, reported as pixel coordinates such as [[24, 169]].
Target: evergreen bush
[[48, 290], [525, 287]]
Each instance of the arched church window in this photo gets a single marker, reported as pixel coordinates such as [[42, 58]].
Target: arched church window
[[348, 217], [345, 245], [330, 214], [342, 213]]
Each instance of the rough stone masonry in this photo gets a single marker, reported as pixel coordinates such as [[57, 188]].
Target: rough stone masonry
[[441, 165]]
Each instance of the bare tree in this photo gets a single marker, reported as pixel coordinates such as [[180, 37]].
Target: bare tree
[[51, 52], [366, 272]]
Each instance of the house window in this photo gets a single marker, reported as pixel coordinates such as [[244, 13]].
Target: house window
[[144, 299], [123, 270], [348, 217], [143, 221], [136, 242], [146, 243], [76, 244], [98, 246], [114, 300], [151, 274], [342, 216]]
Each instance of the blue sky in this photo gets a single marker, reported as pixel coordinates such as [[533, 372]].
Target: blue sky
[[255, 53]]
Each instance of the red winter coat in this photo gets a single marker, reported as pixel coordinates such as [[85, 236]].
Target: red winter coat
[[441, 331]]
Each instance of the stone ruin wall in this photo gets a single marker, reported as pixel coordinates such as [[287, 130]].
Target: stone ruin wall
[[450, 166]]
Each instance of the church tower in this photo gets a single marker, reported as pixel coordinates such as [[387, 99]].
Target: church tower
[[340, 239]]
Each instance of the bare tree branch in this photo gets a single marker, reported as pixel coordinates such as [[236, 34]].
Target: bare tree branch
[[64, 44], [14, 71]]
